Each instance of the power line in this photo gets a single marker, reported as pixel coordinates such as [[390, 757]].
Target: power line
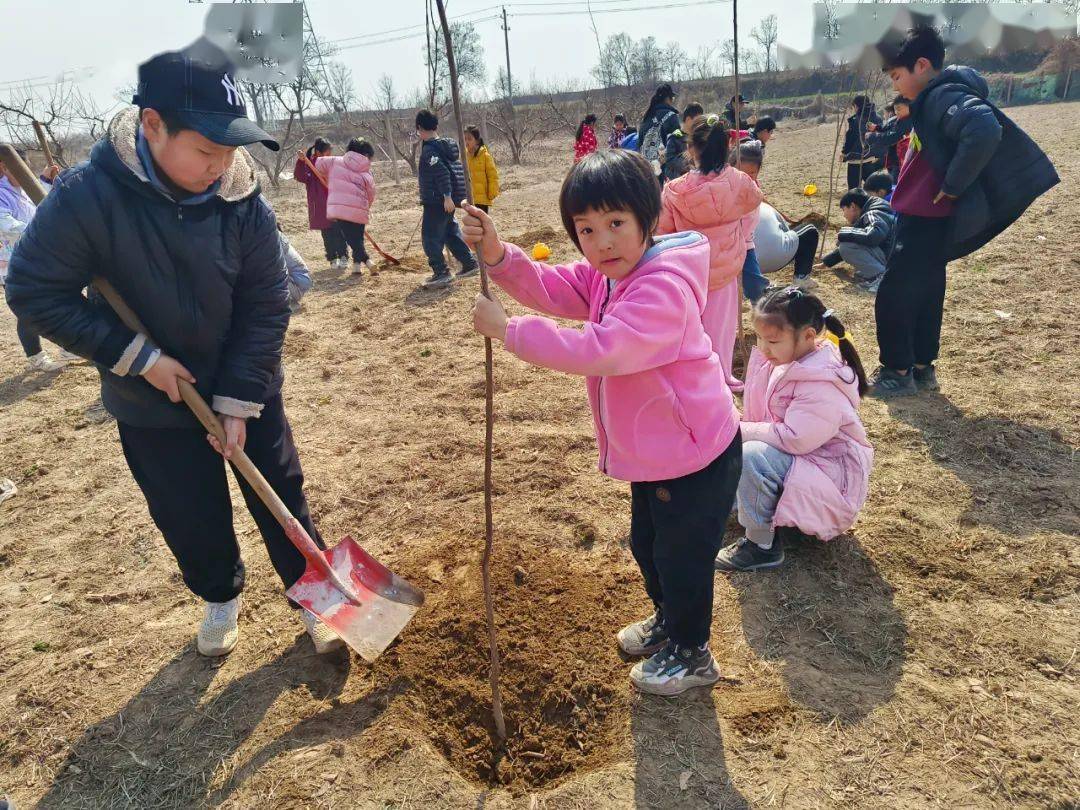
[[616, 10]]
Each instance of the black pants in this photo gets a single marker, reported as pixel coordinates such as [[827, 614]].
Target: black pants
[[676, 529], [334, 242], [439, 229], [353, 233], [183, 480], [30, 340], [858, 172], [804, 254], [911, 298], [483, 208]]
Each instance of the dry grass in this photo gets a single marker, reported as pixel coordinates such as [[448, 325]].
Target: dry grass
[[928, 659]]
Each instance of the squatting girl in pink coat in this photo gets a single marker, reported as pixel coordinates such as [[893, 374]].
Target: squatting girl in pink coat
[[806, 458], [350, 196], [713, 199], [665, 419]]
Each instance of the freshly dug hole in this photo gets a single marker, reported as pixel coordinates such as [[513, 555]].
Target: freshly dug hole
[[564, 686]]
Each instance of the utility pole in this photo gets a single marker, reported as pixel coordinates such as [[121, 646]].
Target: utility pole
[[509, 79]]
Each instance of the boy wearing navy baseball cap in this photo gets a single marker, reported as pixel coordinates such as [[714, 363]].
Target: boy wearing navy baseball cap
[[168, 210]]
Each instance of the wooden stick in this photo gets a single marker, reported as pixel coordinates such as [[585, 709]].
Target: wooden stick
[[832, 165], [22, 173], [39, 130], [489, 412], [737, 109]]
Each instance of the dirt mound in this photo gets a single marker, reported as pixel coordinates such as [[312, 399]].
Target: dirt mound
[[564, 687]]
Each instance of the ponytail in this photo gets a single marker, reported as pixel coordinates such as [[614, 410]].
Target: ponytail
[[709, 134], [793, 308], [848, 352], [320, 145]]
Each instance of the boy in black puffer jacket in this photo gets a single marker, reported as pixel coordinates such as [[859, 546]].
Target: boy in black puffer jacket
[[442, 189], [866, 242], [970, 173], [169, 212]]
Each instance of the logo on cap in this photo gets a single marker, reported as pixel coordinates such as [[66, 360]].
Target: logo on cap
[[232, 94]]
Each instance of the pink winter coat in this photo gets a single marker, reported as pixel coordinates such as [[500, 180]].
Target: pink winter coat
[[661, 407], [712, 204], [810, 409], [352, 188]]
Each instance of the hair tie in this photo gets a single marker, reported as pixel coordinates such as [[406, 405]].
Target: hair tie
[[827, 313], [712, 120]]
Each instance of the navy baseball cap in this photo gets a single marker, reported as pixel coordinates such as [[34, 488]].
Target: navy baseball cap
[[199, 85]]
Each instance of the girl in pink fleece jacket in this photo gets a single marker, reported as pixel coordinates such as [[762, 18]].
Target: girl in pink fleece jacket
[[806, 458], [713, 200], [350, 196], [664, 417]]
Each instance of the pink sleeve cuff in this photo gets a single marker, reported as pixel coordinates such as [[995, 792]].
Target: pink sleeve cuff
[[510, 341], [755, 432], [503, 265]]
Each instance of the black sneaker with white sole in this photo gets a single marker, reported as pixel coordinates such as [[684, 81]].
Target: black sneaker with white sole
[[746, 555], [437, 280], [467, 272], [674, 669], [925, 378], [888, 384], [644, 637]]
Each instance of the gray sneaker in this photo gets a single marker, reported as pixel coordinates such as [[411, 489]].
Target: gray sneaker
[[438, 280], [466, 272], [925, 378], [745, 555], [644, 637], [674, 669], [870, 285], [887, 384]]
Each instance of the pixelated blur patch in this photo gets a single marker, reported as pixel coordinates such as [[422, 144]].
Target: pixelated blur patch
[[264, 40]]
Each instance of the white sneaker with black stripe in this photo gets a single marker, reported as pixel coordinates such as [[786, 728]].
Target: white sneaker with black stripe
[[675, 669]]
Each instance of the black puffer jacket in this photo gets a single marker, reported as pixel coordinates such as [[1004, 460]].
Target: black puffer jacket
[[441, 172], [874, 228], [207, 279], [856, 145], [992, 166]]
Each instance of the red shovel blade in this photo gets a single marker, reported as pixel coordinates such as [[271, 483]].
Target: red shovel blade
[[384, 601]]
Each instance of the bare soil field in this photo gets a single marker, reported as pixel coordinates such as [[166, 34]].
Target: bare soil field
[[927, 659]]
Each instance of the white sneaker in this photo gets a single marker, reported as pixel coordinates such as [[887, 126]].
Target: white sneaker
[[42, 362], [804, 282], [71, 357], [358, 268], [324, 639], [218, 634]]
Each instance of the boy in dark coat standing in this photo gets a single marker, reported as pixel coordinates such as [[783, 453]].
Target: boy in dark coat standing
[[971, 173], [168, 211], [442, 188]]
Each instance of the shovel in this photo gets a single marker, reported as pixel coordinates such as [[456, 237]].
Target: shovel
[[360, 599]]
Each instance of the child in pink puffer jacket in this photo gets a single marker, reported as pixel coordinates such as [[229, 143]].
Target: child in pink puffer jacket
[[351, 193], [665, 419], [712, 200], [806, 458]]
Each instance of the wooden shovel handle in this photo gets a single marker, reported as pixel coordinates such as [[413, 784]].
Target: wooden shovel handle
[[210, 421], [14, 164], [39, 130], [314, 171]]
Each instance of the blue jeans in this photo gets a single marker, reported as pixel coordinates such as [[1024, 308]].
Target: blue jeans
[[753, 282], [438, 230], [763, 472]]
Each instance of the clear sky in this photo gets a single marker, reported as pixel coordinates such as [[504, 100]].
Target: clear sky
[[103, 42]]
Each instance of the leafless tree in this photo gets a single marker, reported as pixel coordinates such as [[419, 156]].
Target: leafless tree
[[615, 66], [703, 64], [765, 35], [647, 61], [675, 61], [64, 111]]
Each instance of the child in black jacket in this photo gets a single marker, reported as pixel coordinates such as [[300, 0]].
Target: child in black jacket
[[970, 173], [168, 211], [442, 189]]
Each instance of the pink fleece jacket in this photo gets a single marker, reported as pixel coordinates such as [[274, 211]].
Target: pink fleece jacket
[[810, 409], [712, 204], [352, 187], [661, 407]]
